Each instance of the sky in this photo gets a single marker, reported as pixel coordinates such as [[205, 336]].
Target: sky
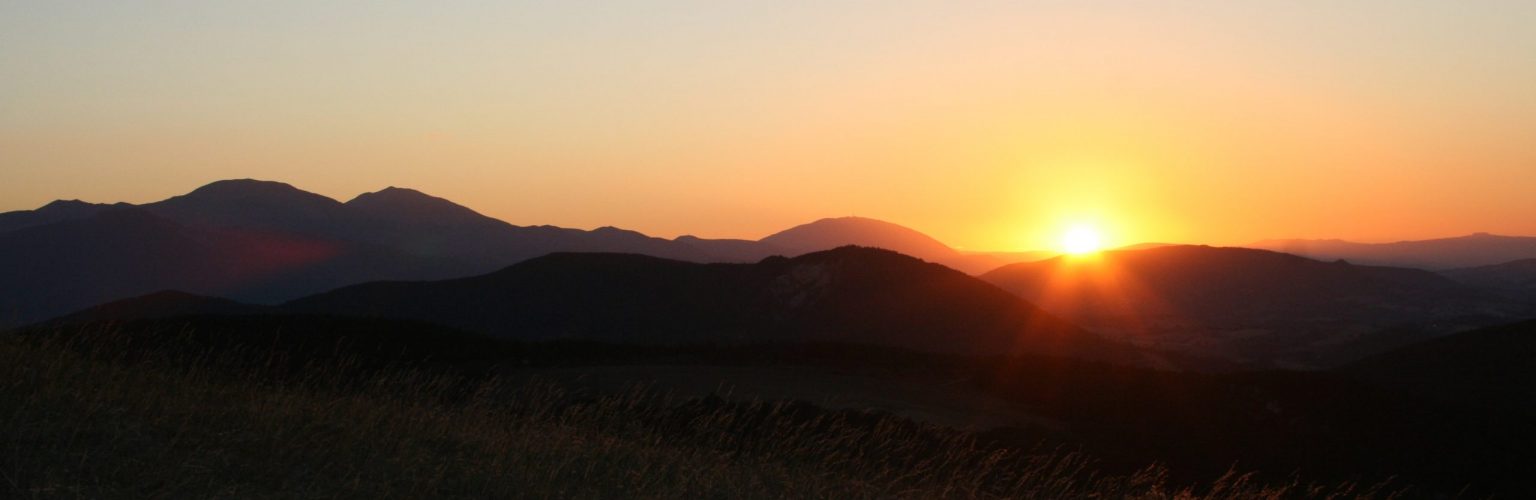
[[989, 125]]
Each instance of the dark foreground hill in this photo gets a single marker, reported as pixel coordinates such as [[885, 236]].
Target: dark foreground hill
[[1253, 305], [183, 405], [87, 421], [850, 294], [1485, 368], [847, 295]]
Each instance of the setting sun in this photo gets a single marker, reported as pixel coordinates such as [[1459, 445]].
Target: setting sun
[[1081, 240]]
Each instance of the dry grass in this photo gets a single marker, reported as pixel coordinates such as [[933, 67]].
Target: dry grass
[[93, 424]]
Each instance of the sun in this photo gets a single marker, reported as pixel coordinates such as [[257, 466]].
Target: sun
[[1081, 239]]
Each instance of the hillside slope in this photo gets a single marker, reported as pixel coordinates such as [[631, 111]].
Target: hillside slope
[[1251, 305], [845, 295]]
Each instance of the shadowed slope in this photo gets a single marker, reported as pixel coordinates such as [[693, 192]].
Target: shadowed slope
[[53, 269], [1247, 304], [55, 211], [1478, 249], [844, 295], [1518, 277], [255, 205], [1485, 367]]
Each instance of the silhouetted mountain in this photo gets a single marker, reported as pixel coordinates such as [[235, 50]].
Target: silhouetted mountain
[[732, 250], [1251, 305], [56, 211], [415, 207], [845, 295], [255, 205], [836, 232], [264, 241], [1480, 249], [163, 304], [1518, 277], [56, 268]]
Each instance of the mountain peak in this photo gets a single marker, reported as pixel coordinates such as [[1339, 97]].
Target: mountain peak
[[394, 194], [618, 232], [242, 188], [411, 205], [837, 232], [65, 205], [398, 192], [249, 203]]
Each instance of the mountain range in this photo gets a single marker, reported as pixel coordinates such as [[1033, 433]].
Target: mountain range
[[1254, 306], [1478, 249], [268, 247], [1517, 277], [848, 295], [266, 242]]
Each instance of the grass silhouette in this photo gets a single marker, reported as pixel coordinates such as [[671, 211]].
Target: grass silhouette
[[83, 417]]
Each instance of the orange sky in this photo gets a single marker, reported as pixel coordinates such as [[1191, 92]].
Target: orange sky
[[990, 125]]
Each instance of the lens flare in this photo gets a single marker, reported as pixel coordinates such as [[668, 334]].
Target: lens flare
[[1081, 240]]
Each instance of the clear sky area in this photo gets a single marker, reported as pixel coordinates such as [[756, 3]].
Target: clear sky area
[[989, 125]]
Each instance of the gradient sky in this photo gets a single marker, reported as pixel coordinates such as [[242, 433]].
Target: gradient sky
[[990, 125]]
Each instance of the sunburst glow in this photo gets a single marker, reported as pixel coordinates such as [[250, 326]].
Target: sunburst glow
[[1082, 239]]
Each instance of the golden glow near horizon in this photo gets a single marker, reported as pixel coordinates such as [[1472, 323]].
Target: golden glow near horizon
[[1082, 239], [1193, 121]]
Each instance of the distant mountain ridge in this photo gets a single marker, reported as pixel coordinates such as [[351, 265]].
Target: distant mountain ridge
[[839, 231], [55, 211], [1252, 305], [1517, 277], [1478, 249], [264, 241]]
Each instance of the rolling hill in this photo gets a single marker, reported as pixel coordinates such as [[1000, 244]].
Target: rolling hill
[[835, 232], [1517, 277], [1254, 306], [847, 295], [56, 211], [1479, 249], [850, 294]]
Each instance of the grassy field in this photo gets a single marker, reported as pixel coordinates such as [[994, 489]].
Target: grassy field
[[92, 420]]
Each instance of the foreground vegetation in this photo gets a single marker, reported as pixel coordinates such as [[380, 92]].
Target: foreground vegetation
[[86, 417]]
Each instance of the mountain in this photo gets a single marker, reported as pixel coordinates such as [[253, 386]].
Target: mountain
[[255, 205], [849, 294], [263, 241], [836, 232], [1518, 277], [840, 231], [1255, 306], [56, 211], [56, 268], [732, 250], [160, 305], [1480, 249], [846, 295]]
